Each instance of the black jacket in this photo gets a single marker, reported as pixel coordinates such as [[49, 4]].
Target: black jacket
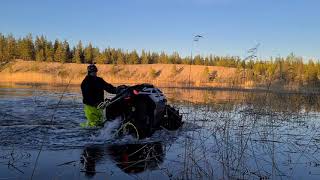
[[93, 87]]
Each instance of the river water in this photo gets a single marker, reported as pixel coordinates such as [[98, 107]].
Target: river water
[[226, 135]]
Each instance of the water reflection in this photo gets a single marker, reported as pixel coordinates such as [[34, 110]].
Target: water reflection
[[282, 102], [90, 156], [230, 99], [130, 158], [278, 102], [135, 158]]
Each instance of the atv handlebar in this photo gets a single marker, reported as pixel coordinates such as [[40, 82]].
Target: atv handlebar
[[121, 88]]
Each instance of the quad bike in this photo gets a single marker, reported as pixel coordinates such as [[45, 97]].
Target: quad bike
[[143, 109]]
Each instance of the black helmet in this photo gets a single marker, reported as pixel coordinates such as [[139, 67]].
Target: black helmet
[[92, 68]]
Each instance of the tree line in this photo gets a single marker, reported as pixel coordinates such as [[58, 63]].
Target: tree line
[[41, 49], [290, 69]]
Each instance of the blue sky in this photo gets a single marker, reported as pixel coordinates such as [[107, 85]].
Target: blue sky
[[230, 27]]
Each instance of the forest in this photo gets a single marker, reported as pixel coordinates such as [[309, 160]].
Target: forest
[[291, 70]]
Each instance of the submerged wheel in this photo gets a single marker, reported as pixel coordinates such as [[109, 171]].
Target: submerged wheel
[[143, 118], [172, 120]]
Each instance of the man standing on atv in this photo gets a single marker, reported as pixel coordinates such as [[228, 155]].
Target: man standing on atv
[[93, 88]]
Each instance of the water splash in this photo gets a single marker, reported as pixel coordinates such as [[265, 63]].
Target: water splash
[[107, 132]]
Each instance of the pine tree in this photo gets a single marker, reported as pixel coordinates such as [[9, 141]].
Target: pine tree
[[26, 48], [176, 58], [55, 45], [100, 59], [113, 56], [134, 58], [121, 57], [95, 53], [40, 55], [10, 48], [2, 47], [103, 57], [60, 53], [67, 51], [163, 58], [88, 54], [107, 56], [49, 52], [154, 58], [40, 44], [198, 60], [78, 53], [144, 58]]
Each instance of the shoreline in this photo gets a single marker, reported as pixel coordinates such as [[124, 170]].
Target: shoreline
[[34, 73], [204, 88]]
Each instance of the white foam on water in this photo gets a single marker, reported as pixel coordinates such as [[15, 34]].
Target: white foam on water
[[107, 132], [127, 139]]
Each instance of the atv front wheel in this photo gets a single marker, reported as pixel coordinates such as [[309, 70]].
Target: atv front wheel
[[128, 129]]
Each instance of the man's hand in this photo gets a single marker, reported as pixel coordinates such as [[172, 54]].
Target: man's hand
[[121, 88]]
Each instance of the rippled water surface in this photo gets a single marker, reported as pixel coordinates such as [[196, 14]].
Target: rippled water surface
[[226, 135]]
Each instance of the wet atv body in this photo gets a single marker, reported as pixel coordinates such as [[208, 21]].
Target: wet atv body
[[145, 106]]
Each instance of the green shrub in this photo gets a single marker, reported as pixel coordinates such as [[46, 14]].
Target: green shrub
[[153, 73]]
